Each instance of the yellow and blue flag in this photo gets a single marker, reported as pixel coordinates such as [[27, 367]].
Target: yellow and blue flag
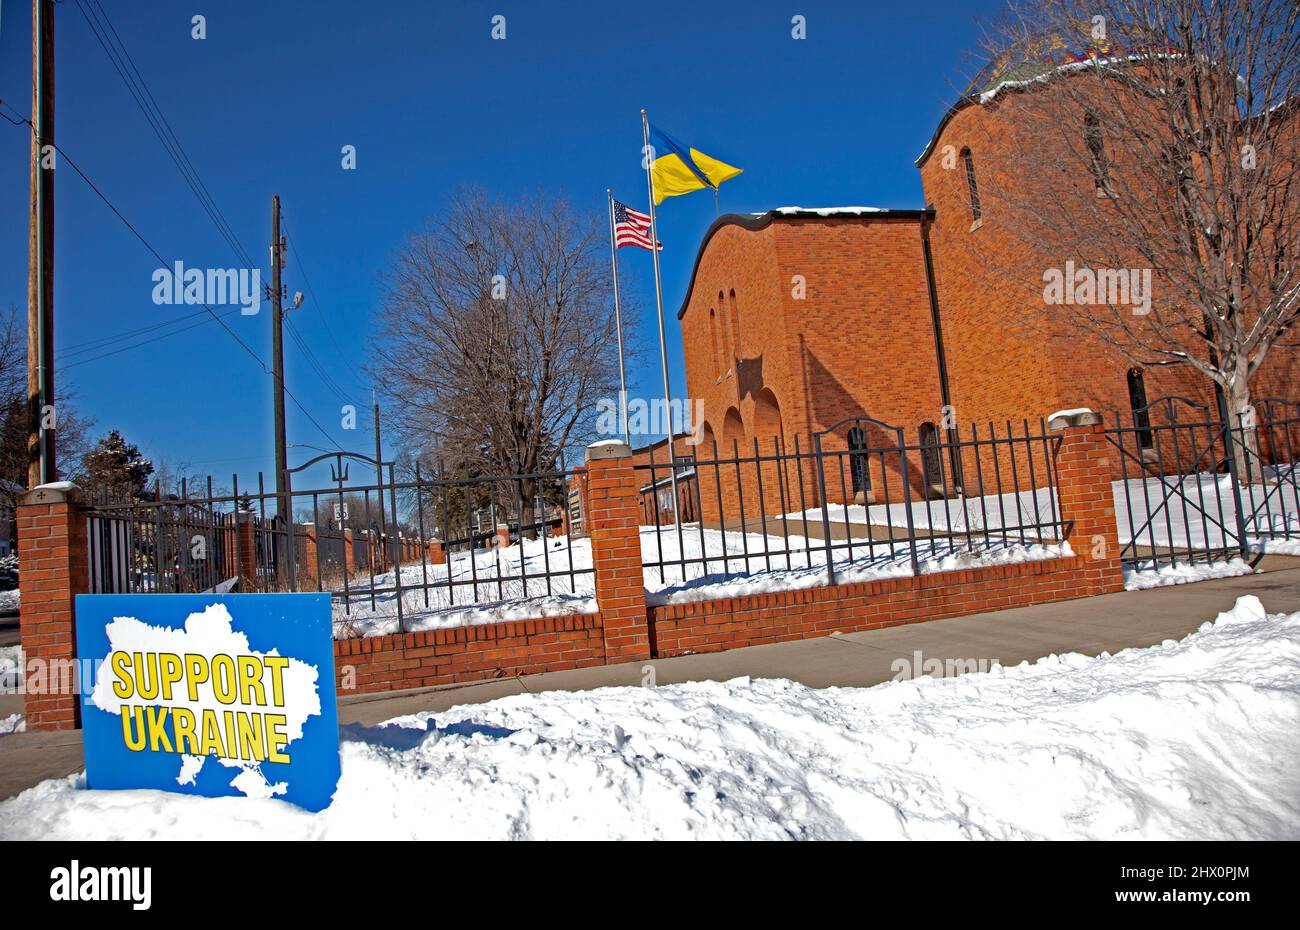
[[677, 170]]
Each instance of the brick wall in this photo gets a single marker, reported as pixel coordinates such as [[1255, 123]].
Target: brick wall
[[53, 549], [472, 653]]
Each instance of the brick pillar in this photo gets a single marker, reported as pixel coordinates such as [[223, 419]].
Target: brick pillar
[[309, 550], [55, 568], [503, 535], [349, 553], [437, 553], [246, 552], [611, 522], [1083, 482]]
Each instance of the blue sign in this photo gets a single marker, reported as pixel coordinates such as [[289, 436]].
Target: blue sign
[[215, 695]]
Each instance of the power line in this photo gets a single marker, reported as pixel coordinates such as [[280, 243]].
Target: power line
[[157, 255], [120, 57], [124, 64]]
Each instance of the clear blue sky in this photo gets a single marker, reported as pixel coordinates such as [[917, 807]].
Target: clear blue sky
[[431, 102]]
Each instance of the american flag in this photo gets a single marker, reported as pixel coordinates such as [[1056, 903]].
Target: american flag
[[631, 227]]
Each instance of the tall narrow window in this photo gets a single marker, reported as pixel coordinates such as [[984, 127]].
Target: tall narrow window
[[713, 334], [859, 473], [1137, 401], [972, 187], [728, 347], [931, 464], [735, 321], [1096, 142]]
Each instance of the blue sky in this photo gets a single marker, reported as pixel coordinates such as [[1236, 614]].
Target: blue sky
[[431, 102]]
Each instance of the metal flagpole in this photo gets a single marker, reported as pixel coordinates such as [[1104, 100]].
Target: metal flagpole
[[659, 304], [618, 322]]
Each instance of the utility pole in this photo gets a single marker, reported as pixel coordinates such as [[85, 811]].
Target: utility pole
[[41, 467], [277, 349], [379, 474]]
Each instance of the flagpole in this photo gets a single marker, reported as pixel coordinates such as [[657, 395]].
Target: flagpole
[[659, 305], [618, 321]]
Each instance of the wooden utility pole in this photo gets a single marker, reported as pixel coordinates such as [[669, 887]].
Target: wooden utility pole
[[379, 472], [277, 349], [41, 420]]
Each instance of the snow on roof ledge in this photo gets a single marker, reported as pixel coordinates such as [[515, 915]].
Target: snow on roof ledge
[[829, 211]]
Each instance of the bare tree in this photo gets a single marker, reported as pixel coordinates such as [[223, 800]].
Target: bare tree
[[497, 337], [1157, 135], [72, 428]]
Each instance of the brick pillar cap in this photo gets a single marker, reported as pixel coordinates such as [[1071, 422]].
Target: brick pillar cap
[[1064, 419], [56, 492], [607, 449]]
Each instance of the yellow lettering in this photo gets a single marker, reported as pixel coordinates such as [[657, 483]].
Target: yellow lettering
[[146, 675], [276, 738], [211, 742], [277, 665], [157, 722], [133, 737], [250, 680], [170, 673], [223, 679], [251, 745], [123, 686], [186, 739], [196, 673]]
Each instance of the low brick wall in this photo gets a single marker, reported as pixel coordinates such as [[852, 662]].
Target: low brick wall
[[711, 626], [468, 653], [53, 546]]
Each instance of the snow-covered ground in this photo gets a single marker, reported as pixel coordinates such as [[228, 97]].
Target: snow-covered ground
[[1194, 739], [1197, 510], [11, 666], [1026, 509], [799, 563], [1143, 575]]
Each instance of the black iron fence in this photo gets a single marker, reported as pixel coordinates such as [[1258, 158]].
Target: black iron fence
[[1193, 486], [863, 498], [442, 550]]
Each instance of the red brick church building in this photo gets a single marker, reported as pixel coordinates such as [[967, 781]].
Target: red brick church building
[[796, 319]]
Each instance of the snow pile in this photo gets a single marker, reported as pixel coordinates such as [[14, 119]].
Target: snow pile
[[1148, 575], [14, 723], [1191, 739], [11, 668]]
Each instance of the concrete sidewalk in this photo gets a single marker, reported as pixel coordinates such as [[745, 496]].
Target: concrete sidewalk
[[1091, 625]]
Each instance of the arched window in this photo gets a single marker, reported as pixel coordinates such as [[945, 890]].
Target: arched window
[[859, 473], [1096, 142], [1137, 401], [971, 186]]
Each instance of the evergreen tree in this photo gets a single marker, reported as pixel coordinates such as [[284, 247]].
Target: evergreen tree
[[116, 469]]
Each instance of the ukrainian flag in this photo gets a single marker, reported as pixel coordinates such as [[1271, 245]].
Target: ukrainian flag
[[679, 171]]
